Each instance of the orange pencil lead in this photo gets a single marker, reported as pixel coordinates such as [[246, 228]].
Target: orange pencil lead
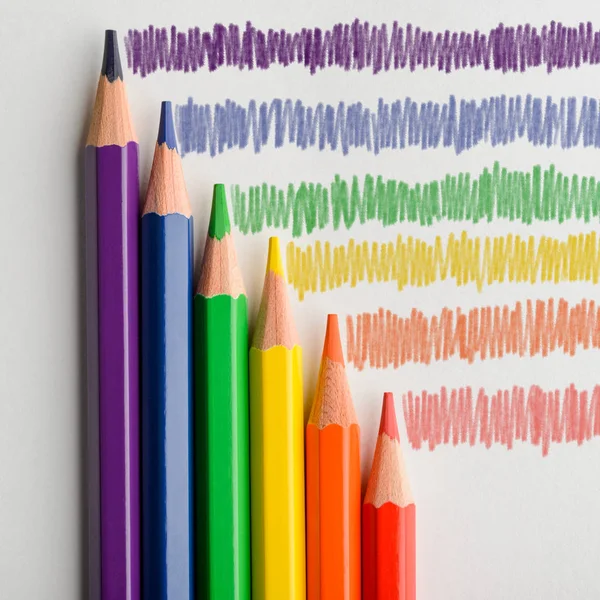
[[332, 348]]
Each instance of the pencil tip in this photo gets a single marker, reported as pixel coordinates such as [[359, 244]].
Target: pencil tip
[[274, 262], [166, 128], [111, 63], [332, 348], [388, 424], [219, 216]]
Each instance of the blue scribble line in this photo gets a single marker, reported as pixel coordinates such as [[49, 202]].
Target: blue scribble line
[[458, 124], [359, 45]]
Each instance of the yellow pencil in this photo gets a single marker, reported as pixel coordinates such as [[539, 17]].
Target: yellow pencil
[[277, 444]]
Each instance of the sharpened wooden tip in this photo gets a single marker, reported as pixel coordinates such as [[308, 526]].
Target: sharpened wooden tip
[[274, 322], [332, 348], [388, 424], [274, 262]]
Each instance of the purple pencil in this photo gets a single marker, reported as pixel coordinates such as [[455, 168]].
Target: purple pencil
[[112, 217]]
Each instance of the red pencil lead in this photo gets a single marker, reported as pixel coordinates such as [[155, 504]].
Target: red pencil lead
[[388, 423], [332, 348]]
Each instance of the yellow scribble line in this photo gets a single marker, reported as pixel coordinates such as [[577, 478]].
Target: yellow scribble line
[[410, 261]]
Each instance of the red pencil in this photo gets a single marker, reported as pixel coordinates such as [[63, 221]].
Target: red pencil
[[389, 566]]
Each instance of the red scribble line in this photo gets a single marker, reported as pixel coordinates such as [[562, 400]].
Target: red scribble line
[[536, 416], [384, 339]]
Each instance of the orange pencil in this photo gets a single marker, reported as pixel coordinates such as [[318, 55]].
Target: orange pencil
[[389, 565], [333, 481]]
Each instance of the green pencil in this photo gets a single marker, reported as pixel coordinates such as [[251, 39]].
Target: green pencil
[[222, 445]]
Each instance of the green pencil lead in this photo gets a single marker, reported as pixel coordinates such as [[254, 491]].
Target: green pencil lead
[[219, 216]]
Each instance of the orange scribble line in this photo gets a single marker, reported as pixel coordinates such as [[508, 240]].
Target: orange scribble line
[[537, 416], [384, 339]]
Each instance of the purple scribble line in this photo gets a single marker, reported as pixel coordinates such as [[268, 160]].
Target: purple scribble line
[[359, 45], [457, 124]]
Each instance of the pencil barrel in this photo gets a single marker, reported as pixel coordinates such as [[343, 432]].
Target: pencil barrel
[[112, 184], [166, 243], [389, 566], [333, 512], [92, 374], [222, 447], [277, 473]]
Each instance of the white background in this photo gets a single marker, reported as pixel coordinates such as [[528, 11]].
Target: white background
[[492, 524]]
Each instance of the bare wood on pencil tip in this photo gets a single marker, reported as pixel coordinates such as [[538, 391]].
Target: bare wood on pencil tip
[[274, 323], [166, 189], [220, 273], [333, 401], [111, 123], [332, 404], [388, 481]]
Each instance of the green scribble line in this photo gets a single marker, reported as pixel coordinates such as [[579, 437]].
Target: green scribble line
[[525, 196]]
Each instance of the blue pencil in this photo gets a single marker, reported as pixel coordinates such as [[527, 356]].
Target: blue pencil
[[166, 252]]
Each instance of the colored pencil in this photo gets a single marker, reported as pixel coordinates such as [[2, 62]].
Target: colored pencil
[[333, 480], [221, 416], [112, 221], [166, 248], [389, 565], [277, 444]]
